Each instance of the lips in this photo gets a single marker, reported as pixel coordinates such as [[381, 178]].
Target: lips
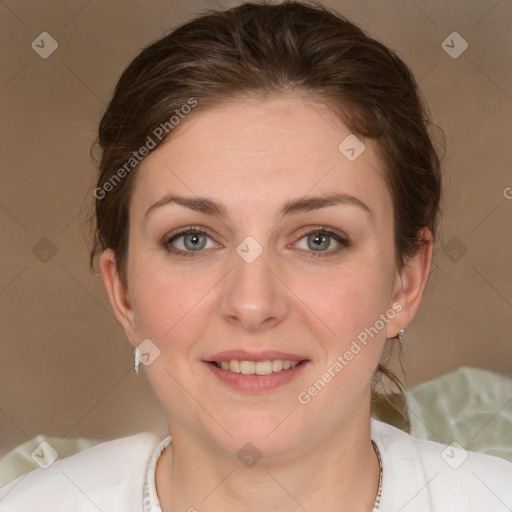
[[256, 372], [255, 384]]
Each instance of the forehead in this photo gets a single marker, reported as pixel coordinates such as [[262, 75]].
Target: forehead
[[263, 151]]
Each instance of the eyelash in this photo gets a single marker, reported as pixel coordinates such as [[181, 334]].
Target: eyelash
[[168, 239]]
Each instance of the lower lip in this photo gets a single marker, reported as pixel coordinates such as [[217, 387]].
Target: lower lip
[[256, 383]]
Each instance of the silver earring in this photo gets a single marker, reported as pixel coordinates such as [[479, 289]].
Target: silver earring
[[137, 359], [401, 333]]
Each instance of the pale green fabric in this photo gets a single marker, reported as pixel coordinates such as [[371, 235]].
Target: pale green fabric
[[470, 406], [19, 460]]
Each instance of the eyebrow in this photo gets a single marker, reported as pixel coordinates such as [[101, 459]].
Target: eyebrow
[[210, 207]]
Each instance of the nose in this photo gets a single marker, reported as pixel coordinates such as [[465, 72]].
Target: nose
[[254, 295]]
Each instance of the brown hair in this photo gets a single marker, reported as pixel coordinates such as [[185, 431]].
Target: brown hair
[[260, 49]]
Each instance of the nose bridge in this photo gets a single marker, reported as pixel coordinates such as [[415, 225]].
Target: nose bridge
[[253, 295]]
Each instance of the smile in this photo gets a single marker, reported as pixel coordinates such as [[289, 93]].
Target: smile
[[255, 377], [256, 367]]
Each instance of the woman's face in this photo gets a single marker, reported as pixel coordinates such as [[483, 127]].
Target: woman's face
[[264, 283]]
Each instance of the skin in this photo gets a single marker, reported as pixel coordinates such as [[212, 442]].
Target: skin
[[252, 156]]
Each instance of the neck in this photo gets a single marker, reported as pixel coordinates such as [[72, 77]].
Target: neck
[[341, 474]]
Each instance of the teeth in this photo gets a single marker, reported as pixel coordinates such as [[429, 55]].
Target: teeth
[[277, 365], [257, 367], [234, 365], [248, 367]]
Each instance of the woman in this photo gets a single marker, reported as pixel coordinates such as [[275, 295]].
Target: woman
[[266, 212]]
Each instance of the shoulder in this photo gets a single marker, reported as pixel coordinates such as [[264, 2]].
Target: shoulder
[[108, 476], [426, 475]]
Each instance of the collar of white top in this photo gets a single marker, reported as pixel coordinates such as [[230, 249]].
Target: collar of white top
[[152, 502]]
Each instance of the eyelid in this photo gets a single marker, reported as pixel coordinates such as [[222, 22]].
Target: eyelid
[[186, 230], [179, 233], [322, 229]]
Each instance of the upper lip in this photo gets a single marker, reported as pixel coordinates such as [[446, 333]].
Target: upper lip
[[243, 355]]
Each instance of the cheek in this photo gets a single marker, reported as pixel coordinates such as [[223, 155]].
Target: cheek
[[170, 301], [162, 305], [352, 300]]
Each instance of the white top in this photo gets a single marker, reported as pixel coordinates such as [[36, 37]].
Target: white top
[[119, 475]]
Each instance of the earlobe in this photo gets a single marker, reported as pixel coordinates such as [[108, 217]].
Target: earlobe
[[410, 285], [117, 293]]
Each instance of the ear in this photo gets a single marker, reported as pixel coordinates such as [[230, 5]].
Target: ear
[[118, 294], [410, 283]]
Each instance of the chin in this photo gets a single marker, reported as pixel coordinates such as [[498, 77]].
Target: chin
[[268, 433]]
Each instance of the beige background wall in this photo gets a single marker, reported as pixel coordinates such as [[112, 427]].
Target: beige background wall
[[65, 365]]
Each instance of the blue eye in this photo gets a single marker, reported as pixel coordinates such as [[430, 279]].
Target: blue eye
[[194, 240], [319, 240]]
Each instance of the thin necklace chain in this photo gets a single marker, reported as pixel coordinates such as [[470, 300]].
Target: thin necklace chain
[[376, 504]]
